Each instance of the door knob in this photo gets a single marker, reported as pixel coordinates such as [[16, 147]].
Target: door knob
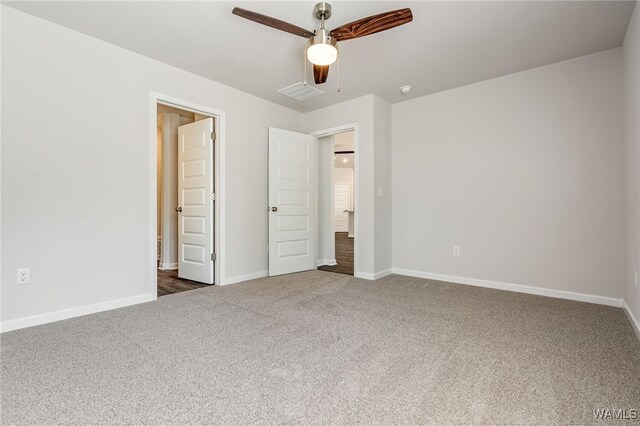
[[274, 209], [179, 209]]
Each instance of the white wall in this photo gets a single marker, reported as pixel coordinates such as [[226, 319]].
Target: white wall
[[75, 203], [631, 49], [345, 175], [382, 181], [344, 141], [522, 171]]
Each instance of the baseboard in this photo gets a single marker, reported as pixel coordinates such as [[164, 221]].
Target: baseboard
[[364, 275], [373, 277], [247, 277], [33, 320], [519, 288], [635, 324], [166, 266], [327, 262], [382, 274]]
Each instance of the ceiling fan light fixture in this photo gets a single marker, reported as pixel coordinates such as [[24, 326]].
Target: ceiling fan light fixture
[[321, 49]]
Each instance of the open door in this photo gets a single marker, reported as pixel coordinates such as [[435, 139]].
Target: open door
[[195, 201], [291, 202]]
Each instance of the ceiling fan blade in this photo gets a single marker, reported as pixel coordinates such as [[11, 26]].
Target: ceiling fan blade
[[272, 22], [372, 24], [320, 73]]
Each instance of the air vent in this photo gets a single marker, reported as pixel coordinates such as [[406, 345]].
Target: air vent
[[300, 92]]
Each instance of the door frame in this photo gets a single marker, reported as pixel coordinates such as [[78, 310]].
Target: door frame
[[219, 183], [356, 180]]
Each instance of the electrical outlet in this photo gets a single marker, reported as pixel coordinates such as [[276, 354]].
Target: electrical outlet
[[635, 278], [456, 251], [24, 276], [380, 192]]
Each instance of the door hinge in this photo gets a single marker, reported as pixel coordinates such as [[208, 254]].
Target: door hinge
[[213, 136], [212, 196], [213, 257]]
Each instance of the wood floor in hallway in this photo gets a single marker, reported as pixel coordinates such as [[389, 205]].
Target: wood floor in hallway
[[344, 255], [169, 283]]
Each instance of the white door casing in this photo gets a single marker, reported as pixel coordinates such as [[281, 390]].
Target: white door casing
[[291, 202], [341, 203], [195, 200]]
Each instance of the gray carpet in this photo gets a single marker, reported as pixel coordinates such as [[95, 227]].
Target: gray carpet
[[324, 348]]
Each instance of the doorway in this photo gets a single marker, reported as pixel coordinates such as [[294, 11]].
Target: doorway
[[336, 195], [186, 219]]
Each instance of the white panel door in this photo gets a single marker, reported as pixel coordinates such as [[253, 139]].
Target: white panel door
[[341, 203], [195, 201], [291, 202]]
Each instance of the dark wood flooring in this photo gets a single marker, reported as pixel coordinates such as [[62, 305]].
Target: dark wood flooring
[[344, 255], [169, 283]]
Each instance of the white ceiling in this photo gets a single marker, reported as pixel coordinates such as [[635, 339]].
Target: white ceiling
[[448, 44]]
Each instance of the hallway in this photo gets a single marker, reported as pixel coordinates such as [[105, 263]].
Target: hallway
[[344, 255], [169, 283]]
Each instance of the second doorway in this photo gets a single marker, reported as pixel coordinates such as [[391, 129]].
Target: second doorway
[[336, 189]]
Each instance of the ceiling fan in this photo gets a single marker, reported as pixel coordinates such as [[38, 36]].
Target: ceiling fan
[[321, 48]]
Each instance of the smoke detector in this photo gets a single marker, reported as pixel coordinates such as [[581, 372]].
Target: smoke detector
[[405, 89]]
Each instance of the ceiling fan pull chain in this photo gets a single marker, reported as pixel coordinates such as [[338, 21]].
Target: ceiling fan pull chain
[[338, 64], [304, 57]]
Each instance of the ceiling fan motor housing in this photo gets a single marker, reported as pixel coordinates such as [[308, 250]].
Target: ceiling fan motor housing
[[322, 37]]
